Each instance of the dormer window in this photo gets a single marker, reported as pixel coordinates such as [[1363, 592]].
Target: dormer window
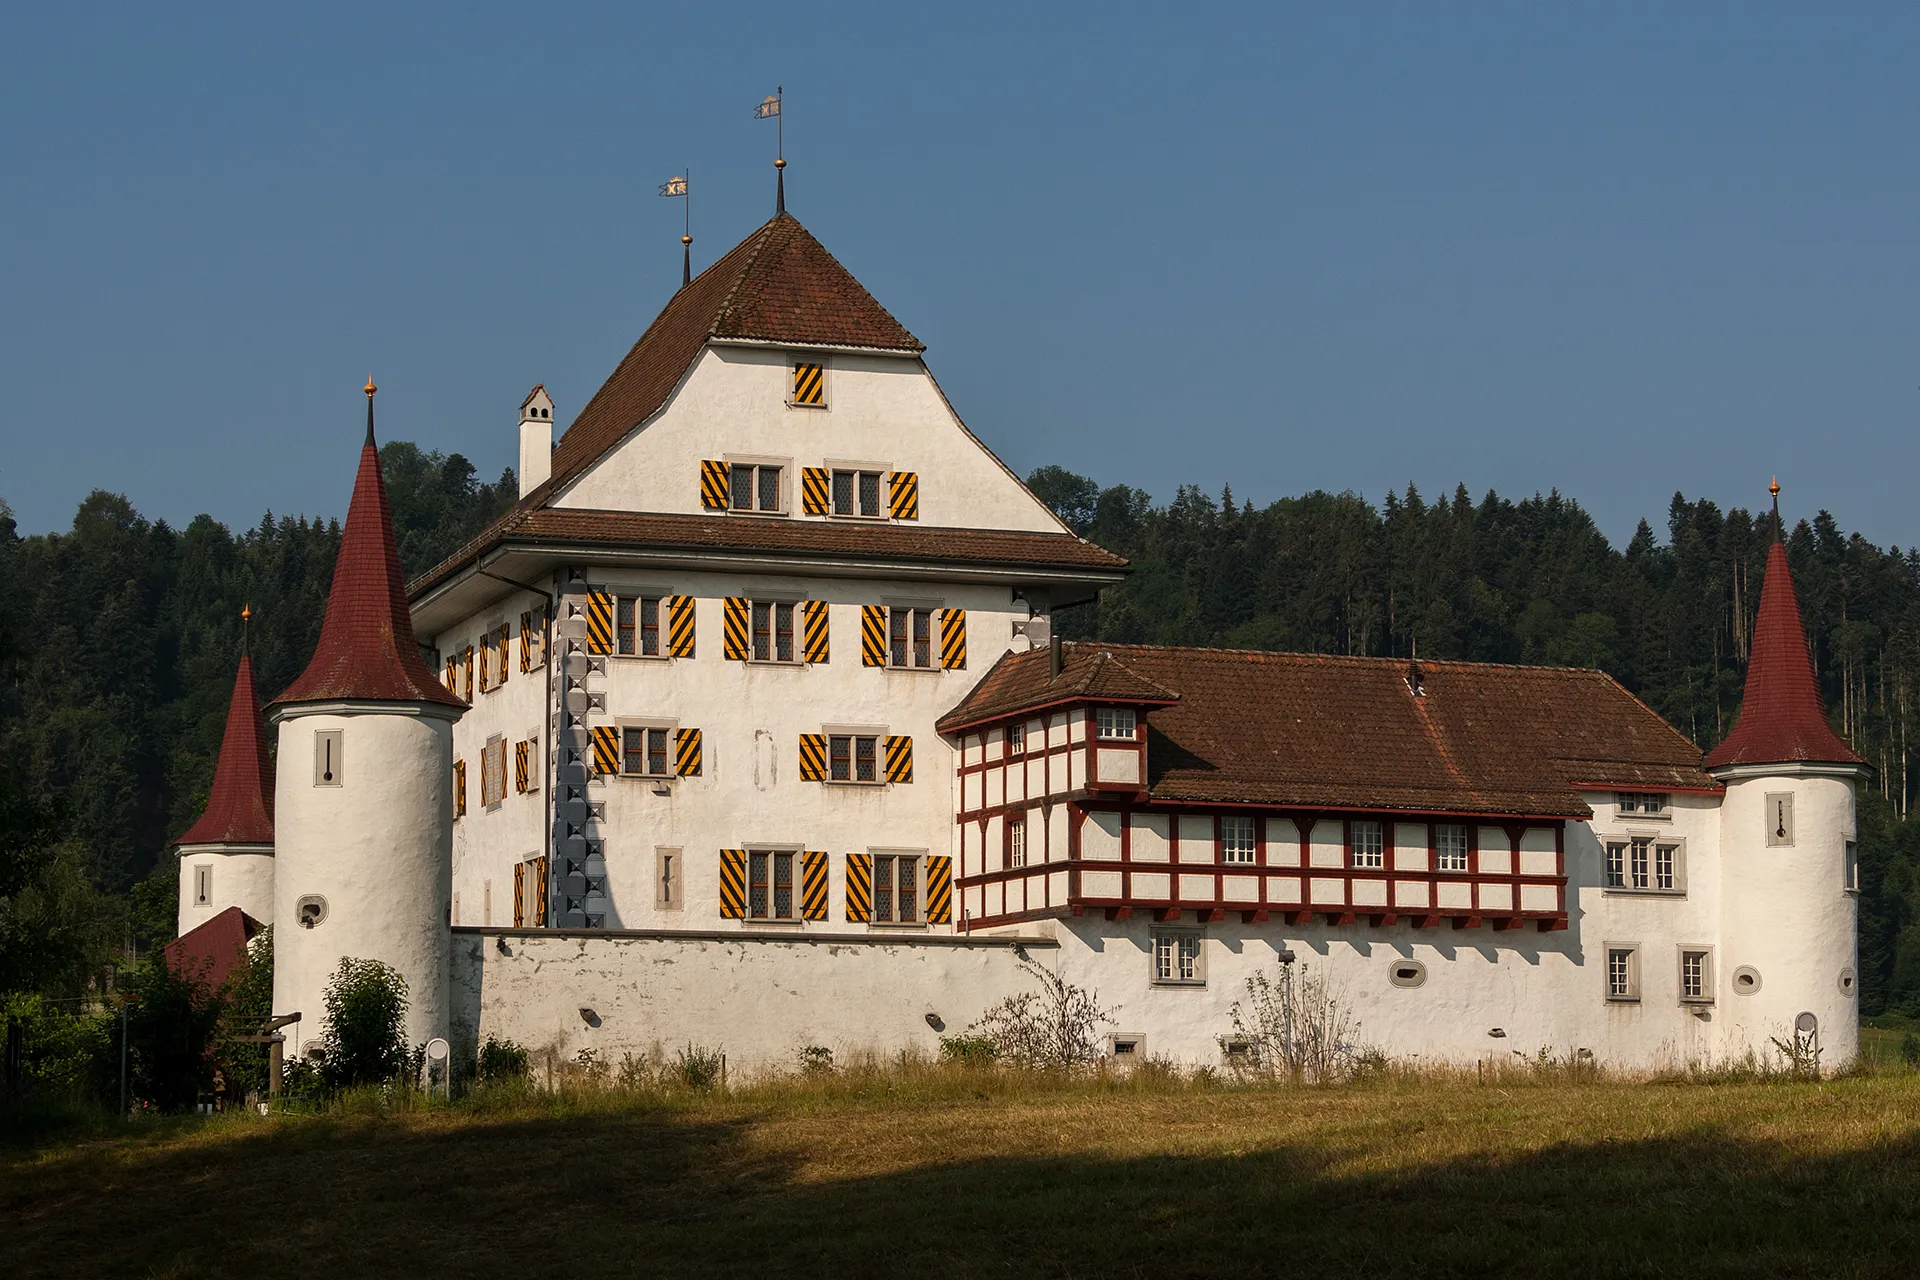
[[1652, 803], [1115, 723], [809, 384]]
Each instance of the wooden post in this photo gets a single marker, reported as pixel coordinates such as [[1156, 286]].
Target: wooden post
[[276, 1074]]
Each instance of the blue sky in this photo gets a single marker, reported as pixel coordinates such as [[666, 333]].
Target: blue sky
[[1619, 250]]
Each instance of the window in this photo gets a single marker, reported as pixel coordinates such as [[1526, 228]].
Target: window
[[530, 893], [1176, 958], [1646, 864], [1623, 972], [1115, 723], [857, 493], [853, 757], [1016, 842], [637, 626], [770, 885], [1449, 847], [1780, 820], [500, 639], [493, 772], [203, 886], [1127, 1046], [753, 487], [327, 757], [1236, 840], [1651, 802], [809, 384], [643, 751], [1017, 739], [1369, 845], [773, 632], [1407, 973], [1850, 867], [896, 888], [1696, 975], [666, 879], [909, 637]]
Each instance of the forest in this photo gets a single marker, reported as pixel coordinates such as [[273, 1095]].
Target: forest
[[117, 655]]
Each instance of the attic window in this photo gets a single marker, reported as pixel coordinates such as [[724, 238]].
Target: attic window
[[1115, 723], [809, 384]]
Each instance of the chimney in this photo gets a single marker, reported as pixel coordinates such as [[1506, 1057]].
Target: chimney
[[1055, 659], [536, 440]]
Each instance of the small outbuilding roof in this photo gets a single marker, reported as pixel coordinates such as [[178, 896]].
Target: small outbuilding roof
[[210, 951]]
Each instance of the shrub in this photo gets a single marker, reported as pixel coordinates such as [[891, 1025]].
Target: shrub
[[171, 1026], [249, 1007], [816, 1060], [364, 1042], [967, 1051], [66, 1055], [698, 1067], [502, 1060], [1296, 1027], [1049, 1030]]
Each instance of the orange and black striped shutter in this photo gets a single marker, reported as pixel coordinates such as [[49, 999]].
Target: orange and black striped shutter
[[680, 626], [813, 757], [686, 753], [519, 895], [540, 891], [873, 635], [486, 664], [466, 663], [453, 675], [899, 759], [860, 887], [939, 889], [814, 616], [903, 494], [521, 752], [502, 637], [809, 382], [734, 629], [606, 749], [813, 491], [713, 484], [813, 885], [733, 884], [459, 788], [526, 642], [599, 622], [953, 639]]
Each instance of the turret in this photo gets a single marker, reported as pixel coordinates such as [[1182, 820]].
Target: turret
[[364, 860], [536, 440], [226, 858], [1789, 875]]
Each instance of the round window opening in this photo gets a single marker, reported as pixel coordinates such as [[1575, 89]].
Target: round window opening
[[1746, 980], [1846, 982], [310, 910], [1407, 973]]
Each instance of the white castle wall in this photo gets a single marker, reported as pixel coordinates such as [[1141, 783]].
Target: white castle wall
[[376, 847], [242, 877]]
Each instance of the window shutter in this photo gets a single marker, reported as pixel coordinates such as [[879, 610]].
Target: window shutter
[[680, 626], [734, 639], [859, 887], [501, 638], [453, 675], [733, 884], [526, 641], [813, 757], [466, 662], [873, 635], [599, 622], [520, 753], [939, 889], [813, 885], [519, 895], [606, 749], [953, 639], [813, 491], [903, 494], [540, 891], [459, 788], [809, 383], [713, 484], [486, 662], [533, 763], [899, 759], [686, 753], [815, 614]]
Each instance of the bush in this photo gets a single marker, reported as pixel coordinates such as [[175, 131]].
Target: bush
[[365, 1040], [1297, 1027], [66, 1055], [170, 1035], [501, 1061], [249, 1007], [967, 1051], [697, 1067], [1049, 1030], [816, 1060]]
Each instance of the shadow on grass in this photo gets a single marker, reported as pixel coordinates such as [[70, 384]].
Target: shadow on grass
[[660, 1192]]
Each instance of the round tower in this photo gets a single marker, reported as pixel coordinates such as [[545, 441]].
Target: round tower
[[226, 858], [363, 797], [1789, 933]]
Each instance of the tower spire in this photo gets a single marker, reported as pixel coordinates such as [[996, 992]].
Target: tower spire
[[370, 389], [769, 109]]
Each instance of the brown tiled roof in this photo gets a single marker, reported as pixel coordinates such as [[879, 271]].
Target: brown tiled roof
[[1088, 673], [240, 806], [1310, 730], [207, 954], [778, 285], [879, 543]]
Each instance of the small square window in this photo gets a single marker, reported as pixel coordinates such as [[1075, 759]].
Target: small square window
[[1696, 975], [637, 626], [809, 384], [909, 637], [1115, 723], [1623, 972], [643, 751], [857, 493], [853, 757], [1177, 958], [773, 632], [1369, 844], [1236, 839], [1127, 1046], [1648, 802], [896, 888], [754, 487], [1449, 847], [770, 885]]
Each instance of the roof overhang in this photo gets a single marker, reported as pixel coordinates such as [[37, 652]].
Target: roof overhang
[[898, 353], [1725, 773]]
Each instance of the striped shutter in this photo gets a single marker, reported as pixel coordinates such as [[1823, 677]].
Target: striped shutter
[[686, 753], [519, 895], [521, 751], [599, 622], [953, 639], [526, 641], [540, 890], [939, 889], [860, 887], [813, 491], [809, 383], [459, 788], [814, 630], [873, 635], [501, 639], [606, 749], [734, 629], [733, 884], [453, 675], [713, 484], [679, 626], [466, 663], [903, 494], [486, 662], [813, 757], [813, 885], [899, 759]]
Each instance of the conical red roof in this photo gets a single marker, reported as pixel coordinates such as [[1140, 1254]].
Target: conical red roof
[[1782, 719], [367, 651], [240, 809]]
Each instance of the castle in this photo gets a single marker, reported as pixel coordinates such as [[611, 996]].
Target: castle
[[746, 727]]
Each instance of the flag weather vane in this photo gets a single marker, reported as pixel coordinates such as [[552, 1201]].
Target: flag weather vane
[[677, 186], [769, 109]]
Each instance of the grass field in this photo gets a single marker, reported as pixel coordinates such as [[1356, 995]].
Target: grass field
[[940, 1173]]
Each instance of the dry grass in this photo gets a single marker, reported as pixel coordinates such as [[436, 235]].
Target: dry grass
[[931, 1172]]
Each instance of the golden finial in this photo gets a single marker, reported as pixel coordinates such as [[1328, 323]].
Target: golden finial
[[369, 388], [246, 613], [780, 162], [1774, 488], [686, 240]]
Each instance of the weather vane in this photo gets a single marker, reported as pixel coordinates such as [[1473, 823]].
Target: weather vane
[[671, 188], [769, 109]]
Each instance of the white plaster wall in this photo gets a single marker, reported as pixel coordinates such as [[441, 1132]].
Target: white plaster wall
[[377, 848], [883, 410], [242, 879]]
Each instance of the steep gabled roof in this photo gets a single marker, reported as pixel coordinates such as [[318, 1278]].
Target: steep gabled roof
[[1782, 718], [778, 285], [1317, 731], [367, 651], [240, 806]]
